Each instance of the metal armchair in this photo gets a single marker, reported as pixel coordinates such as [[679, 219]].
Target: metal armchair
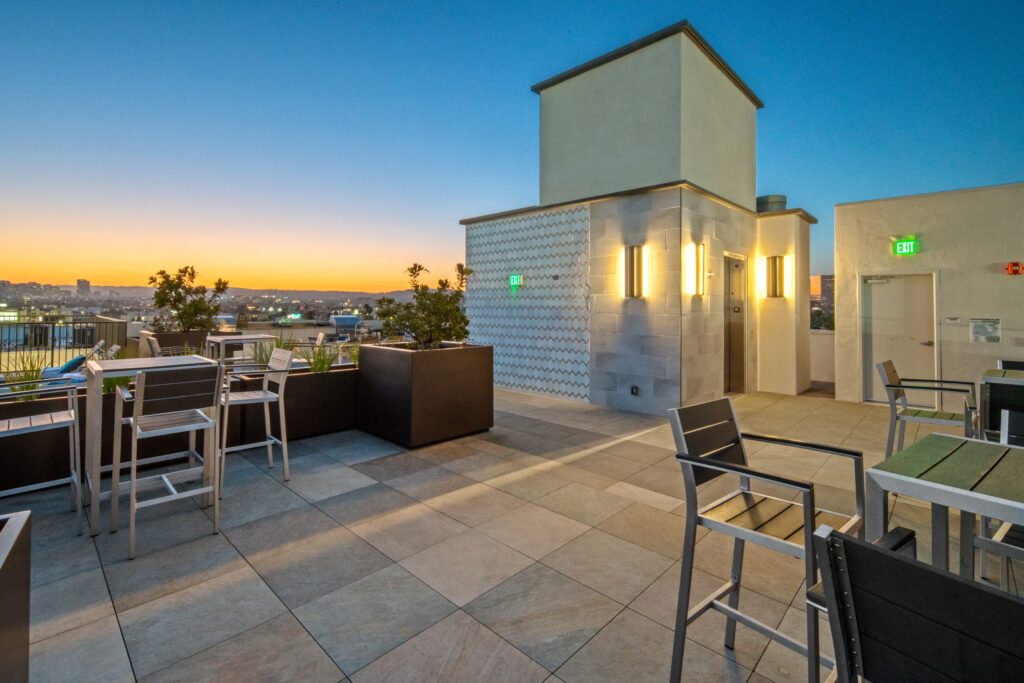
[[900, 413], [710, 445]]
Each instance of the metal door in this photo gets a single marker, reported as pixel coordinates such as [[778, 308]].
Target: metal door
[[898, 324], [735, 312]]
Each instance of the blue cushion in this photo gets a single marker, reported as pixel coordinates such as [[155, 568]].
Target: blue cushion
[[73, 364], [51, 373]]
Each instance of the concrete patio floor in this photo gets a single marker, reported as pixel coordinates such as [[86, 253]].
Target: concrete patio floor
[[544, 549]]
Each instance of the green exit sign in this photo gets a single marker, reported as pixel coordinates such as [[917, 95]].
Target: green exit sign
[[514, 281], [905, 246]]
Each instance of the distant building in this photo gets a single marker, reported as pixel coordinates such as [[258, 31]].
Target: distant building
[[823, 297], [84, 288]]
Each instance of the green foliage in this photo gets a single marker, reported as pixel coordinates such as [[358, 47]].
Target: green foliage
[[191, 305], [261, 353], [352, 351], [110, 383], [820, 320], [433, 316], [320, 358], [24, 367]]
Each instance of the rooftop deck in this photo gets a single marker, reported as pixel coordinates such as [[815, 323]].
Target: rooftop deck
[[548, 545]]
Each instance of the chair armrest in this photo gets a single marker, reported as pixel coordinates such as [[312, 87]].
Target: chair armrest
[[124, 394], [722, 466], [899, 540], [807, 445], [937, 381], [929, 388]]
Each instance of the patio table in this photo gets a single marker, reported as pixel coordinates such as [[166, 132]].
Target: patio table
[[222, 340], [95, 372], [973, 476], [1000, 389]]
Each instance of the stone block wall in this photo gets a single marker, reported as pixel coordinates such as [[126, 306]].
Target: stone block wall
[[540, 332], [635, 342]]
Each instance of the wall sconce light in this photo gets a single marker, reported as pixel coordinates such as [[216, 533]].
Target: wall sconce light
[[701, 269], [776, 276], [634, 272]]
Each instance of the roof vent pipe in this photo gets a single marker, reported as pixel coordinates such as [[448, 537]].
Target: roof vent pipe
[[771, 202]]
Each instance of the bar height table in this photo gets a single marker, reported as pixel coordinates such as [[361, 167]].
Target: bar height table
[[95, 372], [222, 340], [973, 476]]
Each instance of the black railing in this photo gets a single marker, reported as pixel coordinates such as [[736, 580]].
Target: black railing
[[63, 340]]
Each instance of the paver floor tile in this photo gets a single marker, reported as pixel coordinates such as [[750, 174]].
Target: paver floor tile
[[392, 466], [360, 622], [184, 623], [90, 653], [276, 650], [68, 603], [583, 503], [648, 527], [457, 649], [465, 565], [533, 530], [609, 565], [364, 504], [543, 613], [474, 505], [407, 531]]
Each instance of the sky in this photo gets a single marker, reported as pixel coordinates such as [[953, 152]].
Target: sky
[[328, 145]]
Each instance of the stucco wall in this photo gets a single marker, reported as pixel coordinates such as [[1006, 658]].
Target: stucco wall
[[660, 114], [612, 128], [966, 239], [541, 333], [718, 124], [823, 356], [784, 340]]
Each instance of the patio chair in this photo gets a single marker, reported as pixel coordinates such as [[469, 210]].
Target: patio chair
[[710, 445], [156, 350], [24, 395], [899, 413], [274, 375], [896, 619], [170, 402]]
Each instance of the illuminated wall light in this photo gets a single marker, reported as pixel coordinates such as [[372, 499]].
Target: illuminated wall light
[[634, 272], [701, 270], [775, 276]]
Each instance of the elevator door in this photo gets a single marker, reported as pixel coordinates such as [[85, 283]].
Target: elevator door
[[735, 310]]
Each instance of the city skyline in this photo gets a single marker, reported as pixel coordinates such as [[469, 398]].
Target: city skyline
[[327, 147]]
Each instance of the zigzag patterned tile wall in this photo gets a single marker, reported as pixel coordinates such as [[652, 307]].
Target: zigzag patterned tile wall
[[541, 331]]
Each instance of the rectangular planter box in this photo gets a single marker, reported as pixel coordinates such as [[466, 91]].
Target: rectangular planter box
[[15, 588], [415, 398]]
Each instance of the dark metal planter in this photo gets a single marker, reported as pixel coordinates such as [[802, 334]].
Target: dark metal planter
[[15, 588], [315, 403], [415, 398]]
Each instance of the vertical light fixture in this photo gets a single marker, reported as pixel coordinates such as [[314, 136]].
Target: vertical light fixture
[[701, 270], [775, 272], [634, 285]]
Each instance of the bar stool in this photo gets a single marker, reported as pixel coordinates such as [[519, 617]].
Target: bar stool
[[275, 373], [29, 391]]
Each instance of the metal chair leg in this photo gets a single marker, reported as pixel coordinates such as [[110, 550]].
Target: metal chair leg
[[270, 445], [284, 438], [734, 594], [813, 662], [683, 601], [892, 432]]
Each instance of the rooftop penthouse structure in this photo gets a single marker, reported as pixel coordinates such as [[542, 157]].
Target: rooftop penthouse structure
[[647, 277]]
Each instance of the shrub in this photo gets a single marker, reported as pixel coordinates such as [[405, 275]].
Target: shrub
[[433, 316]]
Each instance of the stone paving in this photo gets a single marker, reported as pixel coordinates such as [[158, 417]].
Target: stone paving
[[544, 549]]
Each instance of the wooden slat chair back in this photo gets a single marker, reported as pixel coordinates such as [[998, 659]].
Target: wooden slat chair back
[[35, 415], [274, 378], [183, 400], [901, 413], [710, 445], [896, 619]]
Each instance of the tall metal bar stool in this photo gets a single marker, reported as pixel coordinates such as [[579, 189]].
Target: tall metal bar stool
[[274, 374]]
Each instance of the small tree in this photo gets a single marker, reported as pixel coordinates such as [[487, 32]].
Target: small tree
[[432, 316], [191, 306]]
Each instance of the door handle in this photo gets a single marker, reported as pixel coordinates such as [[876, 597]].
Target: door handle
[[928, 343]]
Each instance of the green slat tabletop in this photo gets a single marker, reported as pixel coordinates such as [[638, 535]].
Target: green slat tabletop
[[965, 467], [1006, 480], [917, 459]]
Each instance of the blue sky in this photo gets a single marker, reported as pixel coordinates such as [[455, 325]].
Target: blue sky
[[355, 135]]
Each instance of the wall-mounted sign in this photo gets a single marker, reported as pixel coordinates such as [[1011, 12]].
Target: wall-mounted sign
[[514, 281], [905, 245], [986, 330]]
